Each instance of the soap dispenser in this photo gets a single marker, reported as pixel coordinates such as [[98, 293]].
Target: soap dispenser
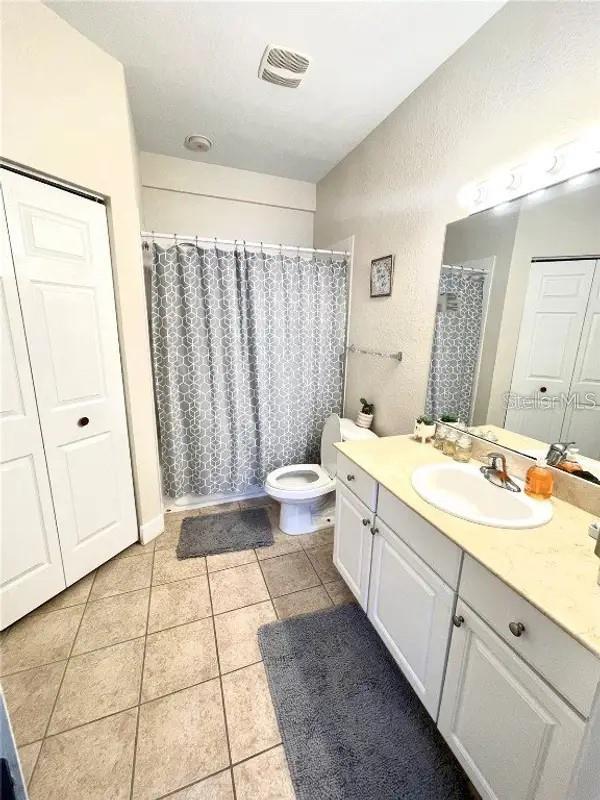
[[539, 481]]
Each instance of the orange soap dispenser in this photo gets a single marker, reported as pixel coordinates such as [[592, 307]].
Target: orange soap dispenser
[[539, 481]]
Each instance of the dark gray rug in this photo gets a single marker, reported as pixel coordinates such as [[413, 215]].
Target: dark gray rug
[[352, 727], [224, 533]]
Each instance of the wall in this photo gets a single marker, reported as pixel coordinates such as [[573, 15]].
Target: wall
[[528, 78], [65, 113], [478, 237], [184, 196]]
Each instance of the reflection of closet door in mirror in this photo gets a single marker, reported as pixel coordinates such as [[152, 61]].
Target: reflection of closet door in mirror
[[553, 317], [62, 262], [582, 420], [30, 565]]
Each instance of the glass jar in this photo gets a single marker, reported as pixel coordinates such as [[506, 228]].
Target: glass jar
[[463, 449], [450, 442], [441, 432]]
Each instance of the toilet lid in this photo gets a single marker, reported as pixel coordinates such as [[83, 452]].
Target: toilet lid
[[332, 433]]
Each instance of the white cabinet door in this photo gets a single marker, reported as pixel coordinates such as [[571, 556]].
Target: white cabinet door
[[352, 542], [555, 306], [411, 608], [30, 564], [62, 262], [515, 738], [582, 420]]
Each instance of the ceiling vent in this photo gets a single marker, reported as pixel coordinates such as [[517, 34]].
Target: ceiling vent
[[283, 67]]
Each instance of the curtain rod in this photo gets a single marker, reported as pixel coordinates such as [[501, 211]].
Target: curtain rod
[[179, 237], [466, 269]]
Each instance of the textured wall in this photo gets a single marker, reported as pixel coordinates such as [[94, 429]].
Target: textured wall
[[529, 78], [65, 113], [184, 196]]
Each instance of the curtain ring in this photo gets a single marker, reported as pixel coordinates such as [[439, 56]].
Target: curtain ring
[[175, 238], [262, 252], [196, 240]]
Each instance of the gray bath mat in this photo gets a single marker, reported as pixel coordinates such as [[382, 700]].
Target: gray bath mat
[[224, 533], [352, 727]]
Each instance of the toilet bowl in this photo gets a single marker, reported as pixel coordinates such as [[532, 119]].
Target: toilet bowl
[[306, 491]]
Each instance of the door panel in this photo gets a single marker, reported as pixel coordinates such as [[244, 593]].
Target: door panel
[[555, 306], [30, 561], [62, 262], [582, 420], [411, 608], [515, 737], [352, 542]]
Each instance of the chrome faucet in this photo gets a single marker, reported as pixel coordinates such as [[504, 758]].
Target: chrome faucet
[[557, 453], [497, 474]]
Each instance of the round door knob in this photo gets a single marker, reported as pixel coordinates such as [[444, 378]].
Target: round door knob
[[365, 522], [83, 421], [458, 620], [349, 477], [543, 389], [516, 628]]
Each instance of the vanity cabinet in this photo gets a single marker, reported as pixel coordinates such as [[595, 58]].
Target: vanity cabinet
[[512, 733], [353, 542], [411, 607], [515, 696]]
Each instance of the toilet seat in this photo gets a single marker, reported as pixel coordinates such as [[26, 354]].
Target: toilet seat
[[299, 481]]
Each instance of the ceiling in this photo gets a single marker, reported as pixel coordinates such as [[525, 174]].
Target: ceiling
[[191, 67]]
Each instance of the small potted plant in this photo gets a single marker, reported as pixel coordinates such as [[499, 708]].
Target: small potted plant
[[452, 419], [364, 417], [424, 428]]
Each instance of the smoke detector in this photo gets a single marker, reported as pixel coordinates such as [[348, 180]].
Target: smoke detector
[[282, 66], [198, 143]]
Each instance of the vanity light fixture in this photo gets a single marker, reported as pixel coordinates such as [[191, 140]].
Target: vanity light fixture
[[544, 169]]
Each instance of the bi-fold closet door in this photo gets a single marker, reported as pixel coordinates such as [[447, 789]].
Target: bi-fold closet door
[[558, 355], [67, 488]]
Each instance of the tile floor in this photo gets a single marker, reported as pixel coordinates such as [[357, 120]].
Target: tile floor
[[144, 680]]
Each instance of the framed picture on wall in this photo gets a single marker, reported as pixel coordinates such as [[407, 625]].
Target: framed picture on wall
[[382, 272]]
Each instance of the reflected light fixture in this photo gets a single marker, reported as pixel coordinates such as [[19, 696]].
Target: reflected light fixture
[[543, 169]]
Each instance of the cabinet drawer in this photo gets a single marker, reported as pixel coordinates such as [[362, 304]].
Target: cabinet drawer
[[435, 549], [357, 480], [567, 665]]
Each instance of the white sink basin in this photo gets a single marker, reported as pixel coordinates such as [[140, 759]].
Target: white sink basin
[[462, 490]]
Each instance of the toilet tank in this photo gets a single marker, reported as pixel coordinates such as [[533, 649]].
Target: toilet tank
[[339, 430], [350, 431]]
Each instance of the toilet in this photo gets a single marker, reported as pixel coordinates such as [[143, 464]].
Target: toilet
[[306, 491]]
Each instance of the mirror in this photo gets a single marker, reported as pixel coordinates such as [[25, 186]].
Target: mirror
[[516, 346]]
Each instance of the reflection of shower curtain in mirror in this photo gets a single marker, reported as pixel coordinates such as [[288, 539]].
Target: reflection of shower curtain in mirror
[[456, 343]]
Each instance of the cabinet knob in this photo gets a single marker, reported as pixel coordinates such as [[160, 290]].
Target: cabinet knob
[[83, 421], [516, 628], [365, 522], [457, 620], [349, 477]]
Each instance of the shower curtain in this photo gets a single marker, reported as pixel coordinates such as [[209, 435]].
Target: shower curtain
[[248, 353], [456, 343]]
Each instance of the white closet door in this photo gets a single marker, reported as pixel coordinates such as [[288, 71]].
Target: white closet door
[[555, 306], [582, 420], [30, 564], [62, 261]]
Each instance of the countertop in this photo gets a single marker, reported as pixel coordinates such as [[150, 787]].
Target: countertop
[[553, 566]]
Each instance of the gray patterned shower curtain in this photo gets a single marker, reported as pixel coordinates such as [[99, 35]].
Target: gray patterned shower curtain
[[456, 343], [248, 354]]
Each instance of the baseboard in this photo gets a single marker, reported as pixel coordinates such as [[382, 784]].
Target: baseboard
[[151, 529]]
